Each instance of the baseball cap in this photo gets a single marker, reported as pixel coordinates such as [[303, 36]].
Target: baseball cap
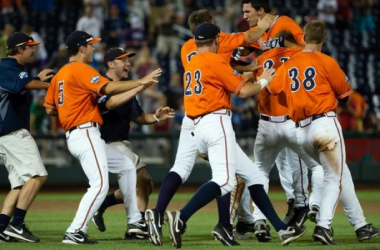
[[18, 39], [117, 53], [206, 31], [77, 38]]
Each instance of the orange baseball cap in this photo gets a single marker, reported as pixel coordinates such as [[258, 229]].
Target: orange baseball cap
[[78, 38], [117, 53]]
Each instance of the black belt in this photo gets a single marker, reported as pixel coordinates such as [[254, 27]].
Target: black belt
[[93, 124], [228, 112], [269, 119], [313, 118]]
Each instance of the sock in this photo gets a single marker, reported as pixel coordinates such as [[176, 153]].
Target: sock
[[168, 188], [224, 209], [206, 193], [4, 221], [260, 197], [18, 217], [109, 201], [142, 215]]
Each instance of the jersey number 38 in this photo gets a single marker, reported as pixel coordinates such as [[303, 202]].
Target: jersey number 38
[[308, 79]]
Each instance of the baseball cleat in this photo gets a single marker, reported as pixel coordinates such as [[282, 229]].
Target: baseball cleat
[[21, 233], [323, 235], [153, 221], [312, 215], [224, 235], [367, 232], [77, 238], [291, 234], [262, 231], [299, 217], [290, 213], [6, 238], [98, 221], [176, 227], [137, 230], [243, 228]]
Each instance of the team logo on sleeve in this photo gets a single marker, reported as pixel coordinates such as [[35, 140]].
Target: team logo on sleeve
[[348, 79], [95, 79], [235, 72], [23, 75]]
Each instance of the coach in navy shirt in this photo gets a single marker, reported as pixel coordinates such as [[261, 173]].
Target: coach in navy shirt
[[17, 147], [117, 113]]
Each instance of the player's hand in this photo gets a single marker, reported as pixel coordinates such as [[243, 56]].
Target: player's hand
[[266, 22], [163, 113], [267, 75], [204, 156], [152, 77], [253, 66], [46, 74]]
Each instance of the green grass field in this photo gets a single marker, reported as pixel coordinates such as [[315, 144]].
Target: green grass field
[[52, 213]]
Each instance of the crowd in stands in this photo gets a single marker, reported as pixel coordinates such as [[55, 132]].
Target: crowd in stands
[[155, 29]]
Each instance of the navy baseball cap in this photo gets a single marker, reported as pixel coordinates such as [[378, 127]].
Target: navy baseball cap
[[19, 39], [117, 53], [206, 31], [78, 38]]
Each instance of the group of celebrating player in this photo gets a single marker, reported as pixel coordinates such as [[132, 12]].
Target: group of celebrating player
[[298, 129]]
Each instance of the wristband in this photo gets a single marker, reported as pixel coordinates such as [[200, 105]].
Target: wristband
[[155, 117], [263, 83]]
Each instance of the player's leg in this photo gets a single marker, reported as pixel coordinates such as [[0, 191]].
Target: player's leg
[[213, 135], [144, 188], [21, 150], [125, 169], [300, 186], [186, 154], [249, 172], [7, 211], [87, 146]]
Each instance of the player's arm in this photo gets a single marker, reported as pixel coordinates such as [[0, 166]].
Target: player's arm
[[119, 99], [161, 114], [51, 112], [117, 87], [262, 26], [253, 88], [38, 82]]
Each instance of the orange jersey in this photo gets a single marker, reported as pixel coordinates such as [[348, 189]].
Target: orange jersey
[[283, 23], [312, 82], [274, 105], [73, 93], [228, 42], [209, 81]]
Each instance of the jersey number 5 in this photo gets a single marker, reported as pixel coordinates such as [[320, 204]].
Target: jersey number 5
[[60, 93], [308, 82], [198, 88]]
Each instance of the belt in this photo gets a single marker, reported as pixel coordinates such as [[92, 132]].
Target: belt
[[306, 122], [83, 126], [276, 119], [217, 112]]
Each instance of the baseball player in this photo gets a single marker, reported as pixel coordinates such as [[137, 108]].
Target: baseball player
[[72, 96], [254, 10], [117, 112], [187, 150], [18, 150], [313, 82]]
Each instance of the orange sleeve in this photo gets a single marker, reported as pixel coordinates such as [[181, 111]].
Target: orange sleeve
[[232, 80], [276, 86], [229, 42], [338, 79], [49, 98], [91, 79], [296, 30]]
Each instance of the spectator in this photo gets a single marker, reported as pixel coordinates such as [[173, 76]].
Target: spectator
[[89, 23], [41, 53], [363, 16], [59, 58], [6, 32], [326, 11], [135, 37], [343, 14], [167, 39], [357, 106], [114, 27]]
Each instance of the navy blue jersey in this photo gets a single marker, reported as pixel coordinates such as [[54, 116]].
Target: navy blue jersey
[[14, 99], [116, 122]]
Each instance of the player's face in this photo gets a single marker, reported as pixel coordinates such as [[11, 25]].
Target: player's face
[[27, 54], [89, 51], [250, 14], [122, 67]]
